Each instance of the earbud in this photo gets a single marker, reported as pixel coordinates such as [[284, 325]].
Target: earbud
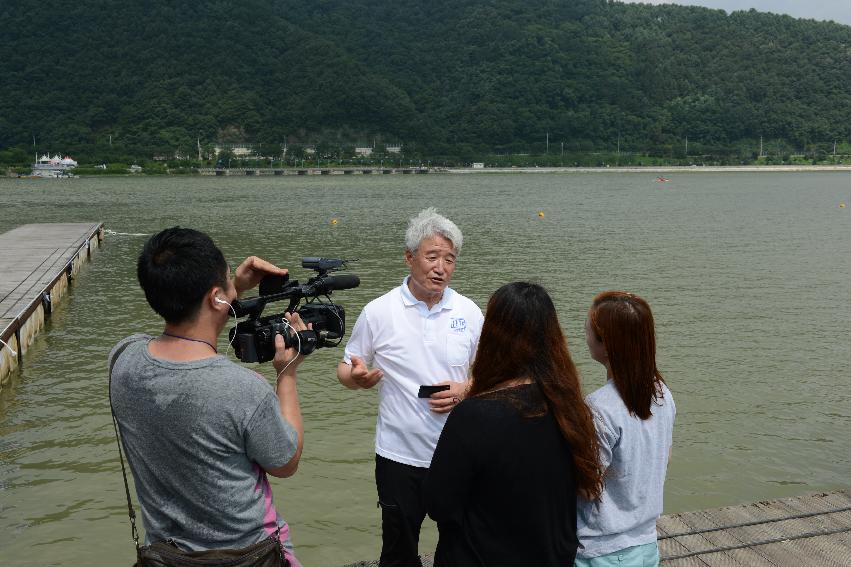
[[220, 300]]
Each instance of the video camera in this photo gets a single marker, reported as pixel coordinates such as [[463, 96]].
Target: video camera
[[254, 339]]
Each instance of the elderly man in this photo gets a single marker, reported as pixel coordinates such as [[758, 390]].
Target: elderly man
[[421, 333]]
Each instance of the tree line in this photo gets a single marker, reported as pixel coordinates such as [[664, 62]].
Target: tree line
[[118, 80]]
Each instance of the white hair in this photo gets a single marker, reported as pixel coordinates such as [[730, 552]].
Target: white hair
[[428, 224]]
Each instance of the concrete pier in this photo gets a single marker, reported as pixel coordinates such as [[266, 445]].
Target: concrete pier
[[812, 530], [264, 171], [37, 263]]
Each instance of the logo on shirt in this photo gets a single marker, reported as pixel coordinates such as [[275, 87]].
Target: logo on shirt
[[458, 324]]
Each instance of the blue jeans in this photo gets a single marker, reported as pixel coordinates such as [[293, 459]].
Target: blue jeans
[[646, 555]]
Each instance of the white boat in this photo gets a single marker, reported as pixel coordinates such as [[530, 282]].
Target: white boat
[[53, 167]]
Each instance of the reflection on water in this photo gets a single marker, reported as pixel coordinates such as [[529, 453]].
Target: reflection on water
[[747, 273]]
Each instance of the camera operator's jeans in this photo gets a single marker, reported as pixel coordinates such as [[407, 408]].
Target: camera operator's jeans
[[402, 501]]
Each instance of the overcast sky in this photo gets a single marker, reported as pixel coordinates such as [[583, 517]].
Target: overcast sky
[[837, 10]]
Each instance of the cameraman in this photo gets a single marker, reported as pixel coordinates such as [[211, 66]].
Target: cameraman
[[420, 333], [199, 431]]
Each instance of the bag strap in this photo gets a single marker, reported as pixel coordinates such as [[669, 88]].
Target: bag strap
[[130, 511]]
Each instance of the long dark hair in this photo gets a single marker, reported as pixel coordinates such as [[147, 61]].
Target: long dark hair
[[624, 322], [522, 338]]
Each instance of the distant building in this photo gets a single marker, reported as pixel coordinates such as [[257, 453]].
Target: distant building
[[310, 150], [365, 152], [238, 150], [135, 168], [393, 149], [478, 165]]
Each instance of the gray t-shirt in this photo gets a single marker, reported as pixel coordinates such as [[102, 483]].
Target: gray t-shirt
[[635, 455], [194, 434]]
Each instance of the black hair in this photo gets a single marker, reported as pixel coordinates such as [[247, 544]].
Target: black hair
[[176, 268]]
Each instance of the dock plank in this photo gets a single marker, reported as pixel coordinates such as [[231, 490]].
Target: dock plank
[[32, 257], [812, 530], [715, 540]]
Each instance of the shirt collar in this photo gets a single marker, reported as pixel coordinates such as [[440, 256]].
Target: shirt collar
[[446, 302]]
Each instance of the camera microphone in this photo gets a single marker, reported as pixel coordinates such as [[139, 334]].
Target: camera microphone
[[323, 264], [331, 283]]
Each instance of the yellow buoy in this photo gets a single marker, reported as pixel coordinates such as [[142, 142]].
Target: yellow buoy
[[540, 214], [841, 205], [334, 221]]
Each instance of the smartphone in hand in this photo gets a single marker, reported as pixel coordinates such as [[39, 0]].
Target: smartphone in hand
[[427, 391]]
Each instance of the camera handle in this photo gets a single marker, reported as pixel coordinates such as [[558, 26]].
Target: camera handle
[[294, 301]]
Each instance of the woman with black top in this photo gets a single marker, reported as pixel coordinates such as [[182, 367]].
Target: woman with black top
[[515, 453]]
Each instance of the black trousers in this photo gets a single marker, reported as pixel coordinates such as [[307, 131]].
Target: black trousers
[[401, 496]]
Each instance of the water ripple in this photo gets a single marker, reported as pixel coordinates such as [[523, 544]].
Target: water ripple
[[745, 272]]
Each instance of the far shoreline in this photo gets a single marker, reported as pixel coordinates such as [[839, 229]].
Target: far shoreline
[[660, 169], [366, 170]]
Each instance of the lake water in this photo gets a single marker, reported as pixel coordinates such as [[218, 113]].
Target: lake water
[[748, 273]]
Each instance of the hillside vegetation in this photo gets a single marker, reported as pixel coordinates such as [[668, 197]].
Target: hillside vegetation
[[111, 79]]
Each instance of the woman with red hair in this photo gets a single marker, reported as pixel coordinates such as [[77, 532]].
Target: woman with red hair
[[516, 452], [634, 414]]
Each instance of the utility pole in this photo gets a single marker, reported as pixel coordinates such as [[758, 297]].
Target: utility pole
[[548, 143], [760, 147], [619, 139]]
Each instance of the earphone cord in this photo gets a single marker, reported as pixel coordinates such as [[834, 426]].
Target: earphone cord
[[297, 336], [230, 342], [287, 323]]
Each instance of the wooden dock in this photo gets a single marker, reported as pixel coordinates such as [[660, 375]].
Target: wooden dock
[[37, 263], [805, 531], [811, 530]]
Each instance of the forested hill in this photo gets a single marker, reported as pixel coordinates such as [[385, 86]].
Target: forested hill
[[488, 75]]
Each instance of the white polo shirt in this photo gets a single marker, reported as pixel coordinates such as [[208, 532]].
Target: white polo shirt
[[414, 346]]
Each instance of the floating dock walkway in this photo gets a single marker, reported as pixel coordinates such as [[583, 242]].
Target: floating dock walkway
[[37, 262], [812, 531]]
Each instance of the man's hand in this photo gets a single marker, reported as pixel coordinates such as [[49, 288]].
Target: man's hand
[[363, 376], [446, 400], [251, 271], [287, 359]]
